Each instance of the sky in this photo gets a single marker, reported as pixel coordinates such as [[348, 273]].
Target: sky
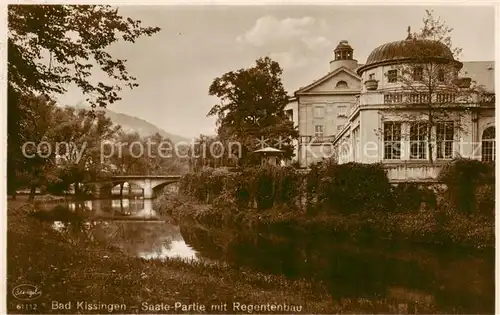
[[176, 66]]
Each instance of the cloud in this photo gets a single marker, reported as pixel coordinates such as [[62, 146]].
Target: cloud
[[268, 30], [293, 42], [289, 59]]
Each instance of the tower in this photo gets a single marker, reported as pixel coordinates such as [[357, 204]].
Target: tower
[[343, 57]]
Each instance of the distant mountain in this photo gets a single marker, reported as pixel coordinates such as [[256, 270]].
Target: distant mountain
[[139, 125]]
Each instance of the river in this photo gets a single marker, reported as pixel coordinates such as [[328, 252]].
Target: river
[[452, 280]]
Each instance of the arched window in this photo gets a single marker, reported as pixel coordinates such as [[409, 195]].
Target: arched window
[[341, 85], [488, 145]]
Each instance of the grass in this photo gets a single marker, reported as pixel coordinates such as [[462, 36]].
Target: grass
[[93, 273]]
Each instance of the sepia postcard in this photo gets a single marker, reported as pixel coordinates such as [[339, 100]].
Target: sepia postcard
[[250, 159]]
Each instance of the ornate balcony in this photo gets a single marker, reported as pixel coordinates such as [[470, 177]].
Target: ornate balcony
[[487, 98], [413, 172], [316, 140], [419, 98]]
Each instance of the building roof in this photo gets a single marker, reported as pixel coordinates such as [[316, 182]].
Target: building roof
[[397, 51], [326, 77], [343, 45], [483, 72], [268, 150]]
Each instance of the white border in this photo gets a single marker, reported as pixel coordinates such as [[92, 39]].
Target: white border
[[3, 79]]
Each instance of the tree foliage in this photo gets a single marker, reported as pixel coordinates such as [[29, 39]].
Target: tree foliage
[[251, 108], [154, 154], [51, 47], [59, 146]]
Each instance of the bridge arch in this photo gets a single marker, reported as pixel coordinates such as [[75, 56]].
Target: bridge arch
[[150, 184]]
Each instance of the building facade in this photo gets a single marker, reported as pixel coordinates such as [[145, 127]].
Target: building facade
[[361, 113]]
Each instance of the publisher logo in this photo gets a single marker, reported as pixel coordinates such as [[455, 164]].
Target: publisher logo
[[26, 292]]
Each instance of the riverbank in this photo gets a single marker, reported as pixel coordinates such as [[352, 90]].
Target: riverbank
[[422, 227], [66, 271], [39, 198]]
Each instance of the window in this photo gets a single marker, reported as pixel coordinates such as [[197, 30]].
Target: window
[[371, 76], [355, 138], [418, 141], [342, 111], [341, 85], [488, 145], [392, 75], [319, 112], [444, 139], [441, 75], [289, 114], [392, 140], [318, 131], [418, 74]]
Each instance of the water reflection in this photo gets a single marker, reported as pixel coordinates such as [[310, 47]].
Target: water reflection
[[176, 249], [117, 209], [449, 281], [142, 239], [131, 225], [452, 282]]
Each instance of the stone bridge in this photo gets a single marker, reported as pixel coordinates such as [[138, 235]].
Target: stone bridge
[[149, 183]]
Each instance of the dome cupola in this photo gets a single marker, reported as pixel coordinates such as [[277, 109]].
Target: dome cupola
[[343, 51], [343, 56], [409, 50]]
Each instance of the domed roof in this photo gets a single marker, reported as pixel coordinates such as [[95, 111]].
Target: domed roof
[[343, 44], [408, 49]]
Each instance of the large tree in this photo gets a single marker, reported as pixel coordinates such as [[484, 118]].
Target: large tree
[[52, 46], [37, 164], [433, 98], [251, 108], [79, 158]]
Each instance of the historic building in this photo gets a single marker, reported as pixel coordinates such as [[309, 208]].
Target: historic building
[[355, 112]]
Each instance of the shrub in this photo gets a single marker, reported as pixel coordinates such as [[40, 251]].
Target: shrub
[[317, 179], [485, 199], [264, 186], [288, 186], [463, 177], [408, 197], [348, 188]]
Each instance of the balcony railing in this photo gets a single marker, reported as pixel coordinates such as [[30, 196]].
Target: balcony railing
[[421, 172], [418, 98], [438, 98], [487, 98], [316, 139]]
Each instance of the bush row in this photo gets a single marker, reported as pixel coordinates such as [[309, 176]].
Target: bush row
[[343, 188]]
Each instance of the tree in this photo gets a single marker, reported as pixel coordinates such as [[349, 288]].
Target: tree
[[127, 155], [430, 83], [211, 151], [52, 46], [72, 36], [162, 156], [36, 161], [82, 133], [251, 108]]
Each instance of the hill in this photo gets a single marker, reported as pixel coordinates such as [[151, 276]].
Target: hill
[[139, 125]]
